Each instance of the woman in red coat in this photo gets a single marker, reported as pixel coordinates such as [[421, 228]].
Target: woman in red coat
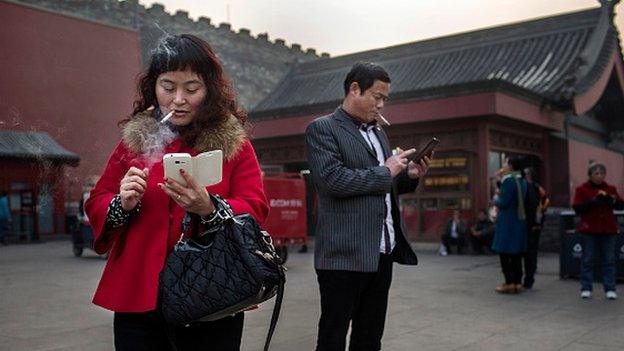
[[594, 202], [136, 213]]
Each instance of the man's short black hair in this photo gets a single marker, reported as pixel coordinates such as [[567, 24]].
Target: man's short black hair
[[365, 74], [515, 162], [529, 170]]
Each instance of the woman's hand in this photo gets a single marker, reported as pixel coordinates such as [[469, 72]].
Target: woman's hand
[[132, 187], [193, 197], [500, 174]]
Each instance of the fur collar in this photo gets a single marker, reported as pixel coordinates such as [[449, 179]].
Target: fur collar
[[142, 130]]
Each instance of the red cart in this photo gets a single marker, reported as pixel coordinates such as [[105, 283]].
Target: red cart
[[287, 220]]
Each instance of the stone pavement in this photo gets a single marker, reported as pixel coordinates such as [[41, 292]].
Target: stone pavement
[[445, 303]]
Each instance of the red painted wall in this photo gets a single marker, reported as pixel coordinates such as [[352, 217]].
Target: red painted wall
[[579, 156], [68, 77], [558, 188]]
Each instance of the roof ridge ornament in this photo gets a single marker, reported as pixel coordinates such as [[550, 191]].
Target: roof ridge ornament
[[610, 3], [589, 56], [609, 7]]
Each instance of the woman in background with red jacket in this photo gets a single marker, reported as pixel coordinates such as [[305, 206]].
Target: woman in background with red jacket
[[136, 213], [594, 202]]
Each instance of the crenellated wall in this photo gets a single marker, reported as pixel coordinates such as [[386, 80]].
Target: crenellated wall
[[255, 64]]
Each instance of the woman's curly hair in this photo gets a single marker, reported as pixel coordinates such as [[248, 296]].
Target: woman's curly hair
[[188, 52]]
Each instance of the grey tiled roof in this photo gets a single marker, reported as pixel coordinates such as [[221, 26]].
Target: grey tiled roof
[[33, 145], [551, 58]]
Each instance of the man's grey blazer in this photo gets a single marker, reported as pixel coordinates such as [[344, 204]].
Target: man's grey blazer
[[351, 187]]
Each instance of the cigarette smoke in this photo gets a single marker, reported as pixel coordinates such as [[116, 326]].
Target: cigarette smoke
[[160, 134], [155, 144], [165, 51]]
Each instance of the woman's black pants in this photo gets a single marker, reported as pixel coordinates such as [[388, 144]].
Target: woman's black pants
[[512, 268], [146, 331]]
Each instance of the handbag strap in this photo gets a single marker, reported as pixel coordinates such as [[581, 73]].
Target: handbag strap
[[276, 311], [221, 214]]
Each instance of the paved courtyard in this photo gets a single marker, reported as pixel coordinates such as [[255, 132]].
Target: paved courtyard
[[445, 303]]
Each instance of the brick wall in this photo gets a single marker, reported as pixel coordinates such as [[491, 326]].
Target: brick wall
[[255, 64]]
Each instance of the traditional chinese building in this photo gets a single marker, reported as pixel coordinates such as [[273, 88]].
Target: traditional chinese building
[[550, 89]]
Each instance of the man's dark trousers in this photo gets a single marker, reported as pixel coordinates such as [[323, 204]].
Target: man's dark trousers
[[530, 257], [449, 241], [357, 297]]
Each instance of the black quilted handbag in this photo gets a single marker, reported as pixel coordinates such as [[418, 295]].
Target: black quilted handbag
[[223, 271]]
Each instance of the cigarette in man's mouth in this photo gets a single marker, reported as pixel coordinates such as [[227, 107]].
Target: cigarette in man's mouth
[[383, 119], [166, 118]]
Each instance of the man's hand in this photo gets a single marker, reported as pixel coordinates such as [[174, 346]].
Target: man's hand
[[416, 170], [397, 163]]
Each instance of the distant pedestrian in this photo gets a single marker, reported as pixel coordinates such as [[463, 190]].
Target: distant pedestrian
[[5, 217], [594, 202], [535, 205], [492, 211], [454, 234], [510, 234], [481, 233], [85, 227]]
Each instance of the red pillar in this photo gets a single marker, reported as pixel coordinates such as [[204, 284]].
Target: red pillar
[[481, 187]]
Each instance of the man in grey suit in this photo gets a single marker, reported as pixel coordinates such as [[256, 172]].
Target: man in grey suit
[[359, 233]]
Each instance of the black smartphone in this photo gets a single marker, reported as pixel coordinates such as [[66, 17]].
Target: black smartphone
[[426, 151]]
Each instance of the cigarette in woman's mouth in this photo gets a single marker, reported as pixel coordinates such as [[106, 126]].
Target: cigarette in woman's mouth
[[166, 118], [383, 119]]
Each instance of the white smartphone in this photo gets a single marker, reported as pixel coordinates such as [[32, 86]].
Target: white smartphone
[[173, 163], [206, 167]]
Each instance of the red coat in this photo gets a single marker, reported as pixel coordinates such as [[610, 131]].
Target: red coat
[[596, 216], [129, 282]]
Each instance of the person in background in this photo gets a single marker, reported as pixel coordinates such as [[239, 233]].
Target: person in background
[[85, 227], [492, 210], [5, 217], [535, 205], [594, 201], [481, 233], [454, 233], [510, 233]]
